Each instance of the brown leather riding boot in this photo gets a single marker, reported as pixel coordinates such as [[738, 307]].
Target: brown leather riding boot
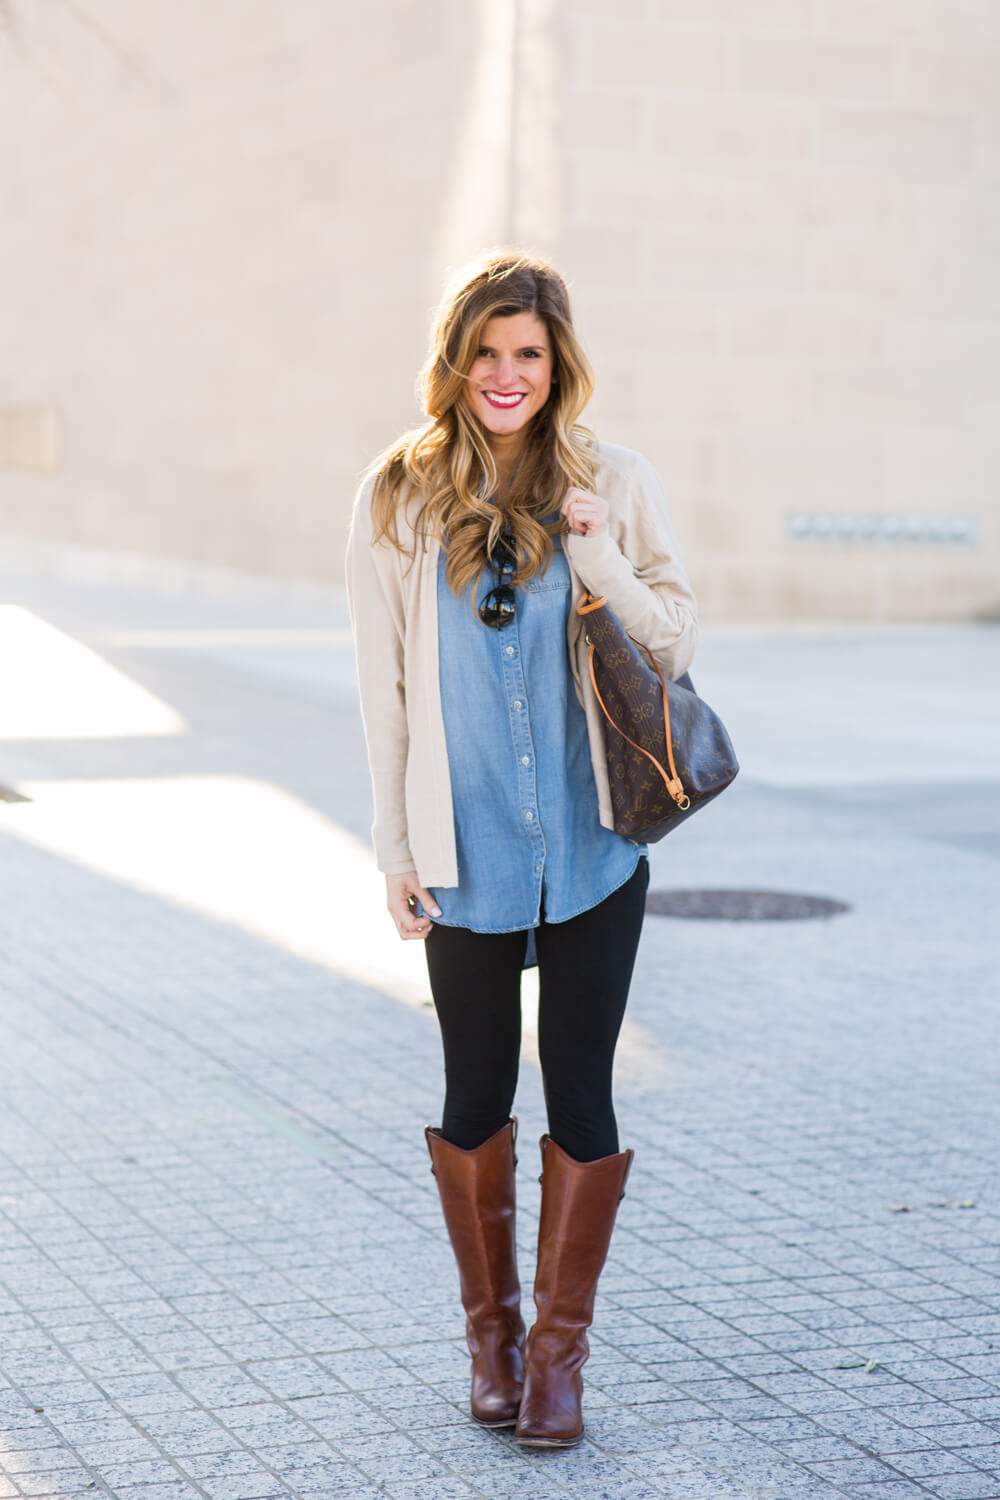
[[579, 1203], [477, 1196]]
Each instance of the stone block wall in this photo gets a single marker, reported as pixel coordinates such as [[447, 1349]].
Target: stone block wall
[[223, 231], [781, 220]]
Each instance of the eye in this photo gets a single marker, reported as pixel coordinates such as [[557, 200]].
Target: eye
[[483, 353], [531, 353]]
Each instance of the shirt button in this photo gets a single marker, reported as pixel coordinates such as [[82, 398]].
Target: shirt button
[[518, 703], [529, 817], [526, 760], [510, 650]]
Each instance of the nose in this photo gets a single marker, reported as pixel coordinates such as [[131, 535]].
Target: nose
[[505, 369]]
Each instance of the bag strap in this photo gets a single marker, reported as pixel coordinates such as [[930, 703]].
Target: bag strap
[[673, 780]]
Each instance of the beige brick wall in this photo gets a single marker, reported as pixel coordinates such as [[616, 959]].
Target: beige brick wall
[[217, 262], [781, 223], [223, 229]]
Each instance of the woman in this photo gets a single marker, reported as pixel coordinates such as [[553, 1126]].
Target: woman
[[474, 539]]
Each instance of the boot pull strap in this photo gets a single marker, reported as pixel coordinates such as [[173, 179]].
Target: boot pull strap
[[630, 1156]]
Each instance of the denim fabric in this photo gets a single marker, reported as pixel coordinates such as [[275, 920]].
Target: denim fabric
[[525, 804]]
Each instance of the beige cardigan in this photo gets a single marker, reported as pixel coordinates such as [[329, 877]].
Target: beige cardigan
[[635, 563]]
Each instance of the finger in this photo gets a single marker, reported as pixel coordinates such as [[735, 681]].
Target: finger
[[426, 900], [409, 922], [409, 925], [418, 932]]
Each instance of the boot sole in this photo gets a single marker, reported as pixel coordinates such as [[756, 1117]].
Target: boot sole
[[540, 1442], [491, 1426]]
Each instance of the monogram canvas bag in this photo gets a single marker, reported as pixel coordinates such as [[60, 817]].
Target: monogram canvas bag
[[668, 753]]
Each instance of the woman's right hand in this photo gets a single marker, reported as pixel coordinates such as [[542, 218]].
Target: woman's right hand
[[402, 892]]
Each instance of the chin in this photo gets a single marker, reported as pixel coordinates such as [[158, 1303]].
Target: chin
[[503, 425]]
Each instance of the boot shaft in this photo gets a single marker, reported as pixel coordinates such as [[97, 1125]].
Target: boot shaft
[[477, 1197], [579, 1206], [477, 1192]]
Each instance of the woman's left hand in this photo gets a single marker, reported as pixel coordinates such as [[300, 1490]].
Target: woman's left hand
[[587, 514]]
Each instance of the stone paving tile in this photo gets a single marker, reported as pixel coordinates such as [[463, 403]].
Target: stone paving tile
[[264, 1424], [44, 1485], [891, 1489], [144, 1471], [965, 1485], [292, 1379], [179, 1491], [985, 1456], [23, 1460], [929, 1462], [516, 1480], [246, 1487], [428, 1489], [226, 1465], [344, 1406], [958, 1434], [690, 1486], [200, 1303], [187, 1433], [351, 1488]]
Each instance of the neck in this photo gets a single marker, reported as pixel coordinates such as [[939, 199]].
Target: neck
[[507, 452]]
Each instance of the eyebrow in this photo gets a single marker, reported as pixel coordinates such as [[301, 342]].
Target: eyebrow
[[524, 348]]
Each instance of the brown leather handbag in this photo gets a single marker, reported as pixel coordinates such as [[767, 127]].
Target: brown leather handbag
[[668, 753]]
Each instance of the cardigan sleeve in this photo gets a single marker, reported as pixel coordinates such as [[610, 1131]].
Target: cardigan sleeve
[[377, 620], [635, 563]]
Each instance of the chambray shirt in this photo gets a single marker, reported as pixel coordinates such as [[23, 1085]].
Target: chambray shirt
[[529, 841]]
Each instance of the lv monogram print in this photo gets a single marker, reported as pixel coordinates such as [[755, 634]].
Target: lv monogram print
[[635, 734]]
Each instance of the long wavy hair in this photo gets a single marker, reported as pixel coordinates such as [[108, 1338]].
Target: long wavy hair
[[448, 463]]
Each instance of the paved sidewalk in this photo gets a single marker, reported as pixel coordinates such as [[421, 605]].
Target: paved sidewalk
[[222, 1268]]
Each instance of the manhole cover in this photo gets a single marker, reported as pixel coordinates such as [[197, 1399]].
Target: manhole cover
[[742, 906], [8, 794]]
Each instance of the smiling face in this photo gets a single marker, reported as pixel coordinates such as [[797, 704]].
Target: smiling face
[[511, 377]]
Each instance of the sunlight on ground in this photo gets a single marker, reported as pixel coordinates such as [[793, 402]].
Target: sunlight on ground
[[188, 639], [55, 688], [238, 851], [248, 854]]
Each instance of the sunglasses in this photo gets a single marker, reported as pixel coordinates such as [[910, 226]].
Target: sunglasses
[[499, 608]]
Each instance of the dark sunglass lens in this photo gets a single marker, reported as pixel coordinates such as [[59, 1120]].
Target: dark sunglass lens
[[498, 609]]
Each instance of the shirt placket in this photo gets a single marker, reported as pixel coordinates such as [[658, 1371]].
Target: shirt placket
[[515, 693]]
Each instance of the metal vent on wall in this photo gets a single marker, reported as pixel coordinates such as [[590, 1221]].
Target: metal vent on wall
[[883, 529]]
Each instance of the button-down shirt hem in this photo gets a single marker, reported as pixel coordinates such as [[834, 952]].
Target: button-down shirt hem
[[593, 899]]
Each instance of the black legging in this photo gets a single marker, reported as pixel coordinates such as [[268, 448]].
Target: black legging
[[584, 971]]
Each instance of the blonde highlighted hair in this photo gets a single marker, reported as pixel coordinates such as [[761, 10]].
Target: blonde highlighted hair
[[448, 463]]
